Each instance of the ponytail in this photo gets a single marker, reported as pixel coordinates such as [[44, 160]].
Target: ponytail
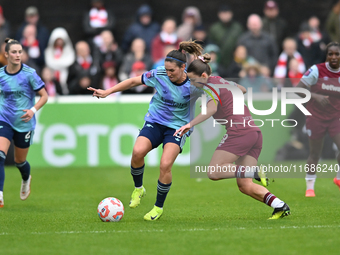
[[179, 57]]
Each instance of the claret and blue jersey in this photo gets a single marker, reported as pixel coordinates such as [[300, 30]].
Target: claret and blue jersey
[[173, 104], [17, 92]]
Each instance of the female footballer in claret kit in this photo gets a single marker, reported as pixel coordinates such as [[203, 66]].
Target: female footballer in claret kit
[[323, 81], [242, 144], [19, 85]]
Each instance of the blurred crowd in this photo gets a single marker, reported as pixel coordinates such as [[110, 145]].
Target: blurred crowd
[[260, 54]]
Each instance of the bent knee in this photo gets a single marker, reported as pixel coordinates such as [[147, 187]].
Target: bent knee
[[213, 176], [19, 160], [138, 154], [165, 165]]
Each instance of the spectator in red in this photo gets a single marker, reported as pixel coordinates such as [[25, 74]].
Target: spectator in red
[[282, 67], [42, 34], [52, 86], [294, 72], [110, 78], [96, 20], [31, 43], [85, 71], [167, 36]]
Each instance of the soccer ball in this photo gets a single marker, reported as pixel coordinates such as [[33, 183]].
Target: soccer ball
[[110, 209]]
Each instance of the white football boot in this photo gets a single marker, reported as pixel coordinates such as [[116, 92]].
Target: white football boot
[[25, 188]]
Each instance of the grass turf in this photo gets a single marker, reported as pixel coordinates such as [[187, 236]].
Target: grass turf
[[200, 217]]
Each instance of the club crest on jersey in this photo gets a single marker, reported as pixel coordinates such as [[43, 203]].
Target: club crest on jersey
[[308, 72], [149, 74]]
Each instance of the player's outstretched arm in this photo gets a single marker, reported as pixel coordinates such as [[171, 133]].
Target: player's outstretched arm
[[211, 110], [124, 85]]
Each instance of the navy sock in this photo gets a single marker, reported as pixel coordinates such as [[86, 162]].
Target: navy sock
[[25, 170], [162, 191], [137, 175], [2, 170]]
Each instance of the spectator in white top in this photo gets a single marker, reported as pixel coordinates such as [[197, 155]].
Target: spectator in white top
[[59, 56], [289, 52]]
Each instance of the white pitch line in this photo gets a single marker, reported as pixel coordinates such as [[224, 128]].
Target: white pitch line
[[164, 231]]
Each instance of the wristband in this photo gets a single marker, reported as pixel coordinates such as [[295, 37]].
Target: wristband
[[33, 110]]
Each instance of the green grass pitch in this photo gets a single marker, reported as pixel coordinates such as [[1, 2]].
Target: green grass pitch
[[200, 217]]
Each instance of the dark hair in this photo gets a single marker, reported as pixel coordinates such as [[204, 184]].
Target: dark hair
[[178, 57], [200, 65], [10, 42], [331, 44]]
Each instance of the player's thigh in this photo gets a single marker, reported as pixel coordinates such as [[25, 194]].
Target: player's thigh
[[221, 157], [6, 136], [246, 160], [142, 146], [4, 144], [152, 132], [169, 155]]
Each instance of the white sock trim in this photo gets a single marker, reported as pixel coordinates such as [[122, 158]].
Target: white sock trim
[[310, 177], [277, 203]]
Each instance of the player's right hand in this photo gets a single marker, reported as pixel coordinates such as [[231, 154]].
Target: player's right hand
[[99, 93], [322, 100], [182, 130]]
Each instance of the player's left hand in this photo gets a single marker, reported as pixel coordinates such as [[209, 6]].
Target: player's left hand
[[27, 116], [182, 130]]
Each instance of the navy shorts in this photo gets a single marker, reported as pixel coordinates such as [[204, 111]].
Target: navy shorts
[[158, 134], [21, 140]]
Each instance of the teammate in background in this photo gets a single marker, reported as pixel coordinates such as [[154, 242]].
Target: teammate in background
[[323, 81], [18, 86], [242, 144], [170, 108]]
